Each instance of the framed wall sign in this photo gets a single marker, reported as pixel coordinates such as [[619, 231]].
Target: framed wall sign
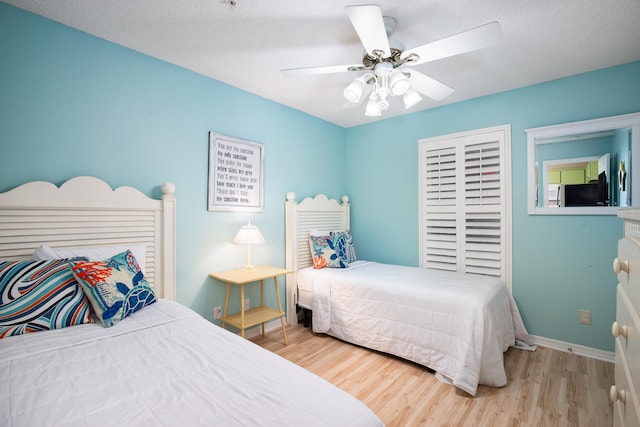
[[235, 174]]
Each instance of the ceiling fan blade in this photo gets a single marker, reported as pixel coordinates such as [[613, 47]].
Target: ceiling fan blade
[[428, 86], [467, 41], [368, 22], [321, 70]]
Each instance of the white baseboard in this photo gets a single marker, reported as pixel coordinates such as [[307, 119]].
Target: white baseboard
[[580, 350]]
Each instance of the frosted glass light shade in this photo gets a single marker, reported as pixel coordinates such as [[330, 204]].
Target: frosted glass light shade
[[398, 83], [411, 98], [373, 108], [353, 92]]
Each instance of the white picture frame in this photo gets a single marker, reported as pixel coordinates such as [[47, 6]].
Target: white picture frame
[[236, 174]]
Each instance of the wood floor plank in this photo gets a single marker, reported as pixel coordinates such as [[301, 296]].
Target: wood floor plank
[[545, 387]]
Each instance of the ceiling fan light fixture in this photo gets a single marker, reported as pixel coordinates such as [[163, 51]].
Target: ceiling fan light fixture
[[383, 55], [353, 92], [373, 108], [411, 98], [398, 83]]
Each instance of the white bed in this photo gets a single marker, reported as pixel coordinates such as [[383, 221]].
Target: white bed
[[454, 323], [163, 365]]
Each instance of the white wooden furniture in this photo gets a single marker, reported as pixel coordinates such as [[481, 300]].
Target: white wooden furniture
[[399, 309], [86, 211], [318, 213], [625, 392], [258, 315]]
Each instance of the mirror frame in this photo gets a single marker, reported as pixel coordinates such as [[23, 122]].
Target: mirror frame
[[627, 121]]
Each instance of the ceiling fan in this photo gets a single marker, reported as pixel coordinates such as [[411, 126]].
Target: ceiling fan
[[385, 60]]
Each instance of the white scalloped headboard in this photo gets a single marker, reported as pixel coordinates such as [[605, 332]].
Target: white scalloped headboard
[[85, 211], [318, 213]]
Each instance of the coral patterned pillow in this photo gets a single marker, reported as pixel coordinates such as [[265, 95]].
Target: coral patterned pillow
[[115, 287], [325, 252], [39, 296]]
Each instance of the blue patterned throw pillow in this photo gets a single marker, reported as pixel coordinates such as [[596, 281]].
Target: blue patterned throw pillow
[[39, 296], [346, 248], [115, 287], [325, 252]]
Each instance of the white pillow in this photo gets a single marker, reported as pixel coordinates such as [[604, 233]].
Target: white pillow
[[92, 253]]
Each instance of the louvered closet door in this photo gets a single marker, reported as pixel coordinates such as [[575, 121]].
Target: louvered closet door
[[439, 198], [464, 218]]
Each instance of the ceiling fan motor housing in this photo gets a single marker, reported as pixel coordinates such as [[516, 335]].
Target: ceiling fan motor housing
[[370, 61], [396, 47]]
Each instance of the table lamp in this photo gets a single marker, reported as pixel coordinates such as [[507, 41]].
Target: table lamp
[[248, 235]]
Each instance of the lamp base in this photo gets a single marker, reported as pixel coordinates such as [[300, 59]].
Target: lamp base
[[249, 268]]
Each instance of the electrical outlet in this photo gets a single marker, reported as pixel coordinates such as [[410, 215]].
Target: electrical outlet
[[584, 316], [217, 313], [247, 305]]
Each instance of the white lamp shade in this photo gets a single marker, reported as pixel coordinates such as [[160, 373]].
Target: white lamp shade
[[353, 92], [373, 109], [248, 235], [411, 98], [398, 83]]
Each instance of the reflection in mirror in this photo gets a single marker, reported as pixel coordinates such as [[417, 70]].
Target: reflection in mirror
[[584, 167], [583, 181]]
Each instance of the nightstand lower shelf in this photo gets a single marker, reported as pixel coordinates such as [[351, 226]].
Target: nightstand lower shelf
[[258, 315], [252, 317]]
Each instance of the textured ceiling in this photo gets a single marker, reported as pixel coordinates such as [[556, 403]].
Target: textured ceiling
[[247, 44]]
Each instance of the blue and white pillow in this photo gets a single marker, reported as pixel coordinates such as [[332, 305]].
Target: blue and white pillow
[[325, 252], [39, 296], [346, 248], [115, 287], [344, 240]]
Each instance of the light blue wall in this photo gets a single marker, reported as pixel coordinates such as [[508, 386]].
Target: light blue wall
[[560, 263], [72, 104]]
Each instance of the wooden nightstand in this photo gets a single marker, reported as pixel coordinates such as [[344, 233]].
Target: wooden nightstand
[[258, 315]]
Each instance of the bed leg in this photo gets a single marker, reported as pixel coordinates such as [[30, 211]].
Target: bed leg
[[307, 317]]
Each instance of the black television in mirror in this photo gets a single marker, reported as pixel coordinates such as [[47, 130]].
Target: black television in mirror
[[595, 194]]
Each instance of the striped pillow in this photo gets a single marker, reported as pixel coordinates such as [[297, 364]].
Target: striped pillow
[[39, 296]]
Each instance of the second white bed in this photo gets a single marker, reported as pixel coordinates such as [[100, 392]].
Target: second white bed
[[457, 324]]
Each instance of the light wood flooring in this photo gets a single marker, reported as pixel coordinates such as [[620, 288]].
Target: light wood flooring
[[545, 388]]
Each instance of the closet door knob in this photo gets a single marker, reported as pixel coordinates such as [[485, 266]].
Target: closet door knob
[[619, 330], [619, 266], [615, 394]]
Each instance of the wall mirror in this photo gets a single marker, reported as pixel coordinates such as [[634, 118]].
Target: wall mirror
[[584, 168]]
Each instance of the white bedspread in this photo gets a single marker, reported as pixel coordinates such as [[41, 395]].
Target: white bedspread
[[163, 366], [457, 324]]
